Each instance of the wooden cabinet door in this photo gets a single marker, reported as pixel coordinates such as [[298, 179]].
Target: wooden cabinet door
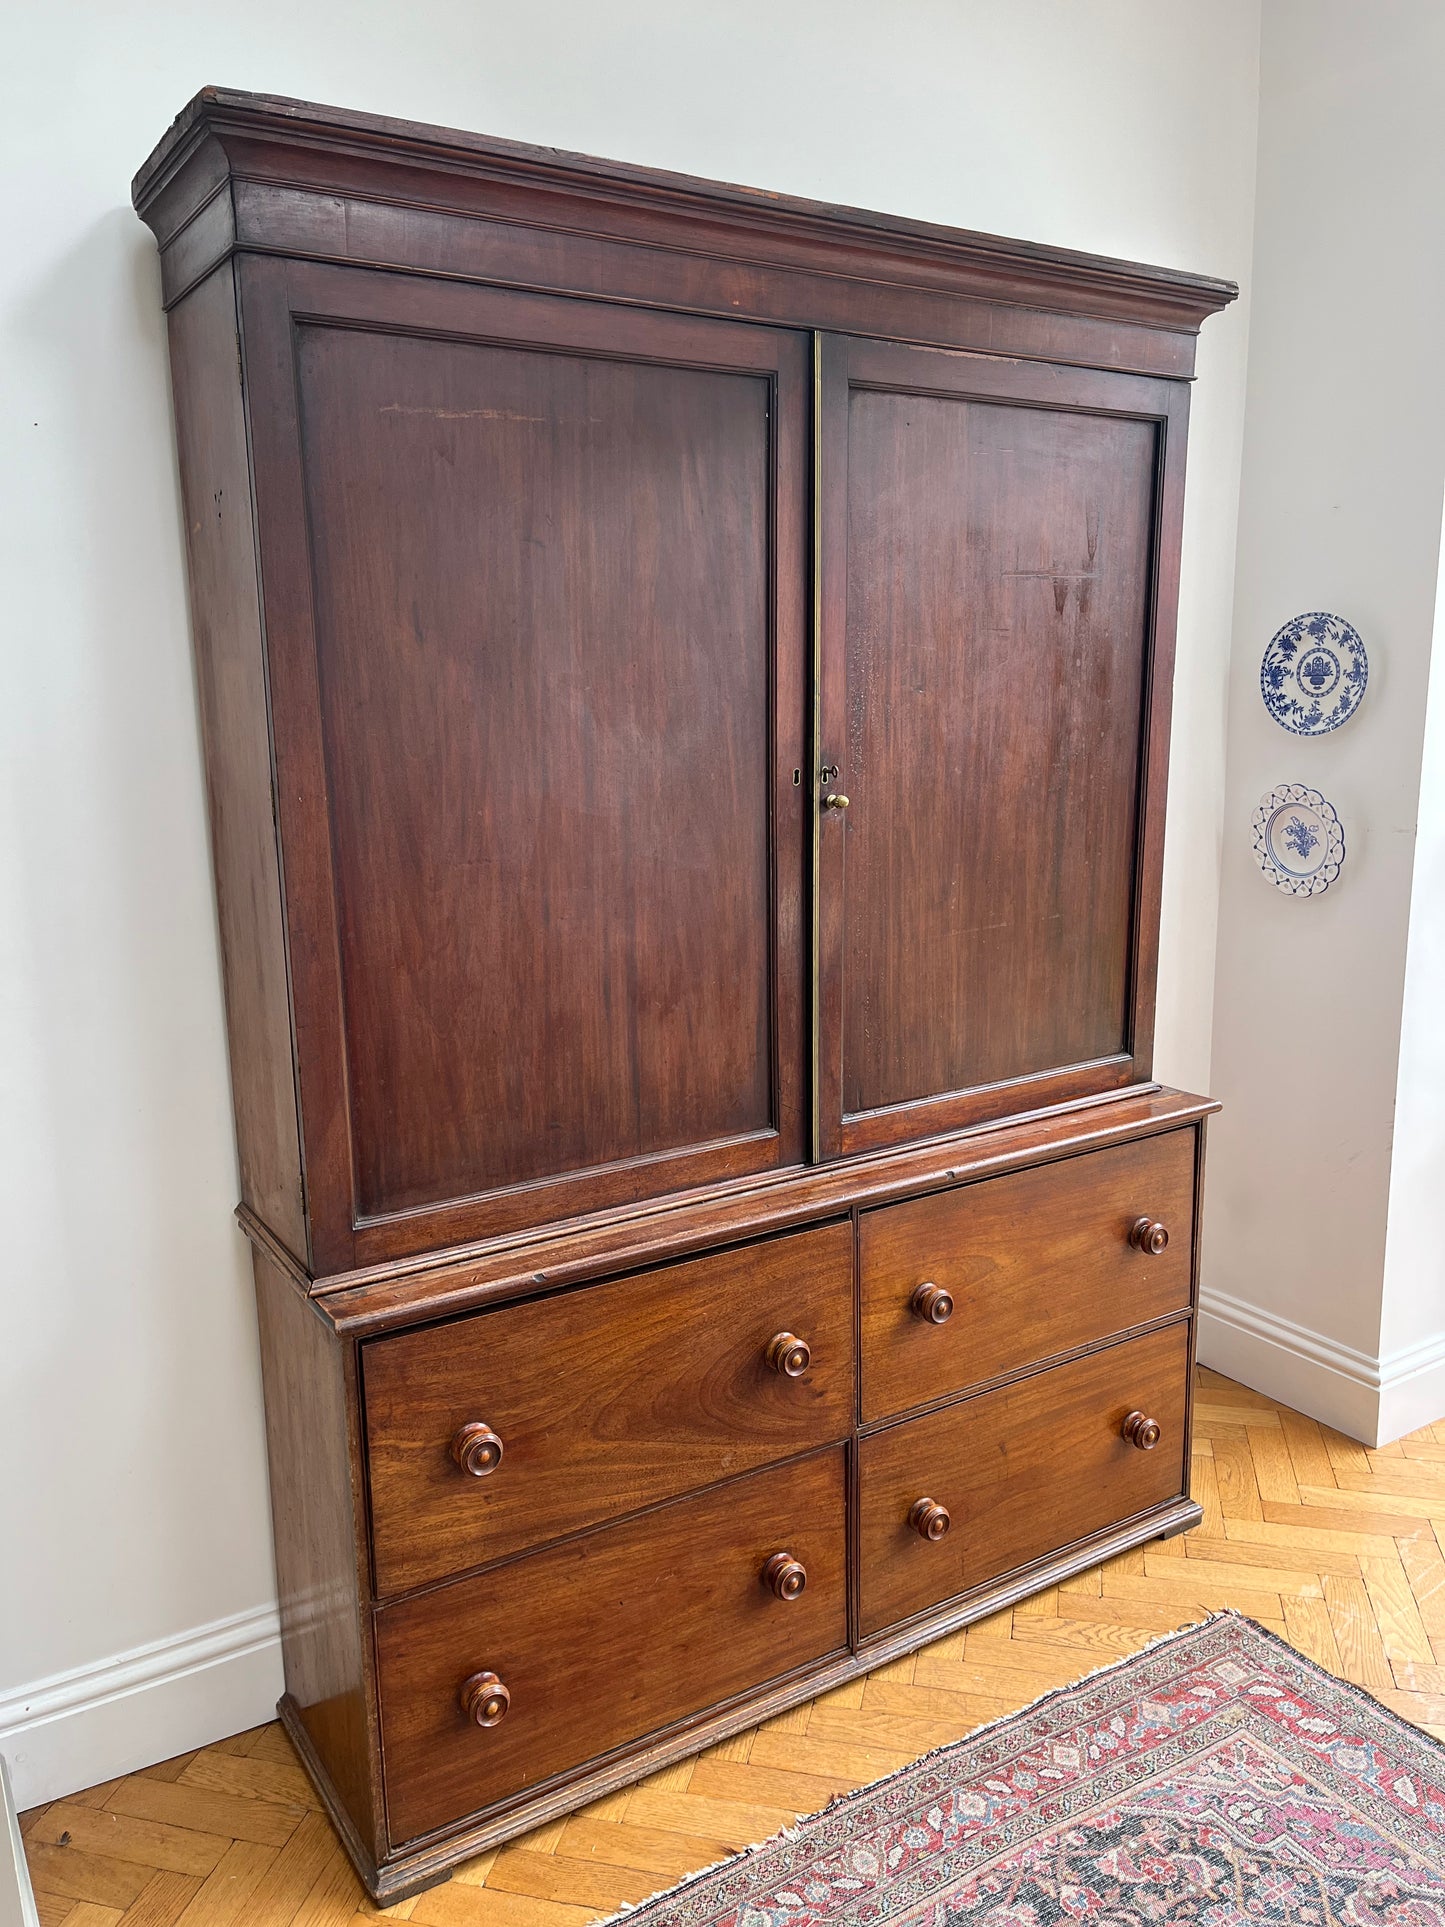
[[535, 588], [998, 552]]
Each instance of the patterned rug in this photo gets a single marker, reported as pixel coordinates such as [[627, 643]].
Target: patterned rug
[[1216, 1778]]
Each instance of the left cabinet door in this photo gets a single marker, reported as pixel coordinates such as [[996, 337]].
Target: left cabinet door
[[534, 583]]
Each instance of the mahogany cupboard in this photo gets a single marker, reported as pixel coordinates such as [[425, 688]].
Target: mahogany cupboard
[[685, 677]]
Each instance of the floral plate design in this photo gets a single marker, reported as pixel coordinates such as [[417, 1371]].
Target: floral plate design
[[1314, 673], [1299, 841]]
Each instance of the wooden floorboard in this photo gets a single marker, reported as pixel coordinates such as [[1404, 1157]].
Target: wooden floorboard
[[1335, 1547]]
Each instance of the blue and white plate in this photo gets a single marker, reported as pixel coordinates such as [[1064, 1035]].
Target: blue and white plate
[[1314, 673], [1299, 841]]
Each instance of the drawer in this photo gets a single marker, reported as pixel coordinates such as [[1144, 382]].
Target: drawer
[[604, 1399], [1020, 1472], [607, 1638], [1034, 1264]]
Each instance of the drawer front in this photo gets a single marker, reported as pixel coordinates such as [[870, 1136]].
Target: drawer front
[[1020, 1471], [606, 1639], [603, 1399], [1035, 1264]]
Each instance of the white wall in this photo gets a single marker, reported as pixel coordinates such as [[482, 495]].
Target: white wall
[[1340, 509], [133, 1511], [1412, 1309]]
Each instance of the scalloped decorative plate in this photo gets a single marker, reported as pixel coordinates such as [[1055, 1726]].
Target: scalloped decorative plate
[[1314, 673], [1299, 841]]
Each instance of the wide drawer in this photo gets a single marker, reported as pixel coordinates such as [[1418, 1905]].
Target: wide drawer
[[1019, 1472], [605, 1639], [1033, 1264], [602, 1400]]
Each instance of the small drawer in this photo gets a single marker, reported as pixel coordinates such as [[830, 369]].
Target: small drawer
[[601, 1641], [965, 1285], [513, 1427], [1003, 1478]]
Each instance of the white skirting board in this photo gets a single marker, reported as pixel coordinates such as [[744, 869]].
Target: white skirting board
[[97, 1722], [1369, 1398]]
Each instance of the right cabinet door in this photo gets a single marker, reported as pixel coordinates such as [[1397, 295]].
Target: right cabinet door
[[997, 574]]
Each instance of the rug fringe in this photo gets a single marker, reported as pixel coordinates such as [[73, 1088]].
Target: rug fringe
[[856, 1793]]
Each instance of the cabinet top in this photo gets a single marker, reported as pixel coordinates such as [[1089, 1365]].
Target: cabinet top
[[292, 152]]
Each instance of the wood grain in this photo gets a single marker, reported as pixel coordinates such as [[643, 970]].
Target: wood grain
[[1021, 1470], [998, 565], [319, 1534], [605, 1399], [392, 1295], [1036, 1264], [226, 624], [459, 400], [990, 629], [536, 709], [543, 635], [615, 1655]]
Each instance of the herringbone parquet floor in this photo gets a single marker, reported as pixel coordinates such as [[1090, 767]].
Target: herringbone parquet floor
[[1335, 1547]]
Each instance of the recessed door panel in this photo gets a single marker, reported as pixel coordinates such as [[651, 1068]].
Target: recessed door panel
[[988, 574], [555, 598]]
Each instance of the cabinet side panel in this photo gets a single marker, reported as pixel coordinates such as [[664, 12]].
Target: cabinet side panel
[[231, 678], [312, 1445]]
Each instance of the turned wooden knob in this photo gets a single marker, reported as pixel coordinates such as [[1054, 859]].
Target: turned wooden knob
[[932, 1304], [789, 1355], [477, 1449], [784, 1576], [484, 1699], [1141, 1431], [1146, 1234], [929, 1519]]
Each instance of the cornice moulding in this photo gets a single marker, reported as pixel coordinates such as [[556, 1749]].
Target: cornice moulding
[[227, 136]]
